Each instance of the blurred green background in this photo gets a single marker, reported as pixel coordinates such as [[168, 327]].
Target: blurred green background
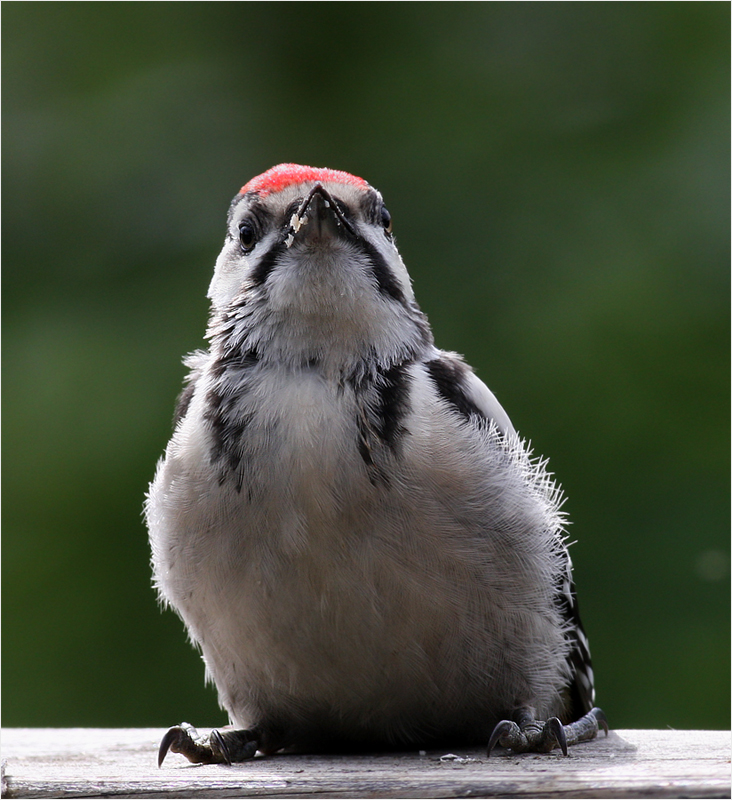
[[558, 175]]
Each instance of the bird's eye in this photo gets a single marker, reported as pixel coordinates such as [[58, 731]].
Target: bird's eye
[[247, 236], [386, 219]]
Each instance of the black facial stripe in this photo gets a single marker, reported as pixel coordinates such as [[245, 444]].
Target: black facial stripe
[[266, 264], [253, 206], [449, 378], [233, 207], [385, 278], [370, 205], [292, 208]]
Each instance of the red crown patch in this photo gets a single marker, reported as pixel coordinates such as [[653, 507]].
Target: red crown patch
[[277, 178]]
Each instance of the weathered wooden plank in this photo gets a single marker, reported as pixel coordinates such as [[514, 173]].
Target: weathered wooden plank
[[119, 763]]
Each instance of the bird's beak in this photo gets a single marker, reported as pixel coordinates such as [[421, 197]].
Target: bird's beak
[[317, 217]]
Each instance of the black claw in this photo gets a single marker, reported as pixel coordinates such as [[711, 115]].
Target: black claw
[[173, 735], [554, 733], [503, 728], [183, 739], [218, 745], [527, 734], [180, 739], [220, 748], [599, 715]]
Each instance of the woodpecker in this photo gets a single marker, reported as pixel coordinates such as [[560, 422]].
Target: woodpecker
[[365, 551]]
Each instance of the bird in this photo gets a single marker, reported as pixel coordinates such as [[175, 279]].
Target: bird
[[365, 551]]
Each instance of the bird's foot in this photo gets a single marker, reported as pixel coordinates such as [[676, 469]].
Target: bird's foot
[[528, 734], [221, 747]]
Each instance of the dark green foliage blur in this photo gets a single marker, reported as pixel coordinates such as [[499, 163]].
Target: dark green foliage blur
[[558, 175]]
